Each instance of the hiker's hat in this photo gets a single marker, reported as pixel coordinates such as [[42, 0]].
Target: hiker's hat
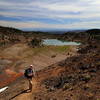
[[31, 65]]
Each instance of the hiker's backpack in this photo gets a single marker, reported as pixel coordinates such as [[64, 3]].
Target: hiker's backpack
[[28, 72]]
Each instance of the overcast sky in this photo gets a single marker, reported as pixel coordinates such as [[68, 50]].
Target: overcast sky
[[50, 14]]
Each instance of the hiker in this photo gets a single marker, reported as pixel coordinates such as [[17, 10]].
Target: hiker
[[29, 74]]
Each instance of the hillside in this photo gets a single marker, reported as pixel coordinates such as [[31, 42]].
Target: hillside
[[75, 78], [10, 36], [63, 72]]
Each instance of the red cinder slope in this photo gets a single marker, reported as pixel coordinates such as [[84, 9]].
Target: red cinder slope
[[8, 76]]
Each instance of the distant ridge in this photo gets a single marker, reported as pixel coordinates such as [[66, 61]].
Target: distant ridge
[[9, 28], [55, 31], [91, 31], [94, 31]]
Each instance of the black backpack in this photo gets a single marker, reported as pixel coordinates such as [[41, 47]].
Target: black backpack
[[28, 72]]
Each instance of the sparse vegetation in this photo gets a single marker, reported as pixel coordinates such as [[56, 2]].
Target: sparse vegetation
[[35, 42], [76, 77]]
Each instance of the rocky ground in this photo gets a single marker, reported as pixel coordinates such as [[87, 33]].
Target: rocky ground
[[75, 78]]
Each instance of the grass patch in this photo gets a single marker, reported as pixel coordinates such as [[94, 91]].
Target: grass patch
[[47, 49], [61, 49]]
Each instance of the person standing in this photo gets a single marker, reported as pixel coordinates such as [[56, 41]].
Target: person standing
[[29, 74]]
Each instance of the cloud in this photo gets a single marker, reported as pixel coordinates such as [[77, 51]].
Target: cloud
[[50, 13], [38, 25]]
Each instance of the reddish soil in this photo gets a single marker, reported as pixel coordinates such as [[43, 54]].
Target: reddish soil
[[8, 77]]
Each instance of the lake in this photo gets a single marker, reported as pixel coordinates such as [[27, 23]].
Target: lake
[[57, 42]]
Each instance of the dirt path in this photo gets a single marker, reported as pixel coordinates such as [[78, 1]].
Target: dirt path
[[21, 57], [27, 96]]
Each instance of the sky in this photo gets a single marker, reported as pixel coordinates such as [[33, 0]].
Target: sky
[[50, 14]]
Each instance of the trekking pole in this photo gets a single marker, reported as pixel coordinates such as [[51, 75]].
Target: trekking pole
[[35, 72]]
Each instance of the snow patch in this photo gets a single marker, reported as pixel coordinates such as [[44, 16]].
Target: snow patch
[[3, 89]]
